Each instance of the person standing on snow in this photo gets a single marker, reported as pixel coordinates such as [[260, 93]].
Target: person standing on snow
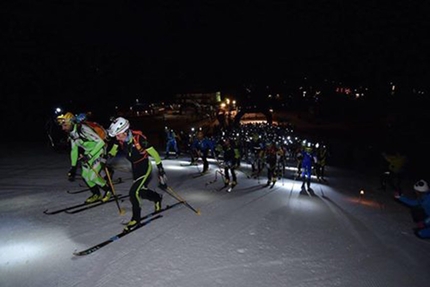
[[308, 159], [271, 163], [231, 157], [393, 175], [137, 150], [89, 149], [171, 143], [202, 146], [420, 208], [321, 155]]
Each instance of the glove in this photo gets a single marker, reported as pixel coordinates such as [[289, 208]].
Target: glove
[[85, 158], [162, 182], [160, 170], [72, 173], [162, 177]]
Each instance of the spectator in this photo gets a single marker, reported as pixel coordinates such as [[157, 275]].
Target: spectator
[[420, 208], [393, 174]]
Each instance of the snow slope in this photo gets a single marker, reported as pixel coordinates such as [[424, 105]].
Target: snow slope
[[253, 236]]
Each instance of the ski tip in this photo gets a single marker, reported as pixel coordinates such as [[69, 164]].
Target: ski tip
[[77, 253], [198, 212]]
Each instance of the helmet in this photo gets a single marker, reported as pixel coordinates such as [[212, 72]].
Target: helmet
[[65, 118], [119, 125], [421, 186]]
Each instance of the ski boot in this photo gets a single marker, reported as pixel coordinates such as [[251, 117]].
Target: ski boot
[[157, 204], [93, 198], [130, 225]]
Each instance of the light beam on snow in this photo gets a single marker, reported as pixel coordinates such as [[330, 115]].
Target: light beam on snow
[[174, 167], [19, 253]]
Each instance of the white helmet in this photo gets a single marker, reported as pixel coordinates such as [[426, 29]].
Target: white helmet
[[421, 186], [119, 125]]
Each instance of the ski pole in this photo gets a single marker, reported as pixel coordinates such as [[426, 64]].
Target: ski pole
[[215, 179], [121, 211], [176, 196]]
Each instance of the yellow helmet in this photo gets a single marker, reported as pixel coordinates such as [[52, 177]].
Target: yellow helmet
[[65, 118]]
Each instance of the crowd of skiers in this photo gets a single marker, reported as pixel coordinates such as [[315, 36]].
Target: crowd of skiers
[[270, 150]]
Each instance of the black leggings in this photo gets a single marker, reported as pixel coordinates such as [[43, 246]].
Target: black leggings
[[139, 190]]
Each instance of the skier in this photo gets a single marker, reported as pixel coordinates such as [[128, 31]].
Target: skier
[[321, 154], [271, 163], [89, 149], [257, 148], [308, 158], [201, 146], [137, 150], [231, 157], [171, 143], [420, 208]]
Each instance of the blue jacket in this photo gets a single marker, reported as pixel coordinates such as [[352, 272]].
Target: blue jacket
[[201, 145], [423, 201]]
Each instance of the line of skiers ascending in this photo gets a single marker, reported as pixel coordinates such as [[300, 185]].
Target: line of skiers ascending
[[93, 146]]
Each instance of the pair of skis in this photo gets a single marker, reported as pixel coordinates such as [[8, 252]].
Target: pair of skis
[[83, 206], [145, 220], [116, 181]]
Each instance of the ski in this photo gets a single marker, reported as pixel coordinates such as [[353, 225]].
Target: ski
[[200, 174], [222, 187], [167, 207], [46, 211], [254, 175], [116, 181], [78, 190], [143, 221], [216, 177], [188, 164], [116, 237], [95, 204]]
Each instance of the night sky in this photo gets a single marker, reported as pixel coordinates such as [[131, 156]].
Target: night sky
[[93, 50]]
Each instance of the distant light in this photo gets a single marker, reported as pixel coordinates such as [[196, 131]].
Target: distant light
[[361, 192]]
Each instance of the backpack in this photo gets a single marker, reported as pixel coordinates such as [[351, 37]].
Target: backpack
[[99, 129], [136, 136]]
